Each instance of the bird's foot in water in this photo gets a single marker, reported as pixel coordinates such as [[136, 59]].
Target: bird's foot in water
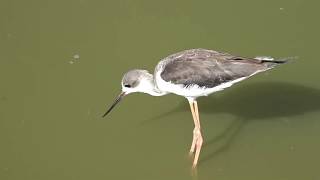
[[197, 141]]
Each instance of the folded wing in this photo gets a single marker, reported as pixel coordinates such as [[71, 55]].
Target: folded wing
[[207, 68]]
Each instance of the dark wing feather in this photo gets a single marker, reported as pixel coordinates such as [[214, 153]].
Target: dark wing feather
[[207, 68]]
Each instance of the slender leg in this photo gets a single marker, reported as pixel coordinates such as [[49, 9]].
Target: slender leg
[[194, 116], [197, 137]]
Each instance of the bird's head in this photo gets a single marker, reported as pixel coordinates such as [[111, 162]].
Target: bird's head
[[136, 81], [133, 81]]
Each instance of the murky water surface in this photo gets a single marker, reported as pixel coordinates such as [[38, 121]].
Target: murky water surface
[[61, 63]]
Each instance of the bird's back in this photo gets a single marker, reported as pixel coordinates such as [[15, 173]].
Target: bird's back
[[208, 68]]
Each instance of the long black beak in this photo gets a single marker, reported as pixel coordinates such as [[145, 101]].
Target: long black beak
[[115, 103]]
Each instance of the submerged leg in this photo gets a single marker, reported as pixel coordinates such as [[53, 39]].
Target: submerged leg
[[197, 137]]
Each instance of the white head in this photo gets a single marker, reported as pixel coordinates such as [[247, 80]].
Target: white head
[[136, 81]]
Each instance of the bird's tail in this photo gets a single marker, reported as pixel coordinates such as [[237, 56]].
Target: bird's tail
[[271, 62]]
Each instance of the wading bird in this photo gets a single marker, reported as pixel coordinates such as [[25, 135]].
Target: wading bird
[[191, 74]]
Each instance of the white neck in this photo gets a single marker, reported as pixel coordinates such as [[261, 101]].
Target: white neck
[[147, 85]]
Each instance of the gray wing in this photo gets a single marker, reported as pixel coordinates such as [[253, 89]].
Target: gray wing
[[207, 68]]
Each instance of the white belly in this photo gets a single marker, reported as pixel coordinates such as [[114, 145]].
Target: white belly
[[191, 91]]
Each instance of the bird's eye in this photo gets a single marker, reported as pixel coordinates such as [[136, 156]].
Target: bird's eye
[[127, 85]]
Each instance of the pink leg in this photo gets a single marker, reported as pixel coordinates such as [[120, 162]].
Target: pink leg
[[197, 137], [194, 116]]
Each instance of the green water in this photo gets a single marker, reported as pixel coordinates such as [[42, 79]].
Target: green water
[[61, 63]]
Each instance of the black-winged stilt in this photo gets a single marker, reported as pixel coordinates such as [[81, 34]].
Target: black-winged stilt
[[191, 74]]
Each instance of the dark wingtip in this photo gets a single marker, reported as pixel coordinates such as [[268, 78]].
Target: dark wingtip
[[281, 60], [275, 61]]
